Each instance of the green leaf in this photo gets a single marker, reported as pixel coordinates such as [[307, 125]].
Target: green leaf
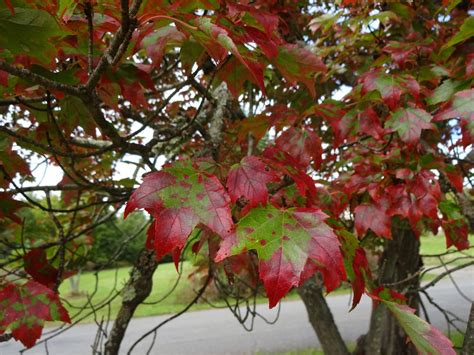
[[466, 31], [450, 209], [64, 76], [452, 4], [385, 17], [127, 182], [400, 9], [324, 21], [73, 114], [66, 8], [444, 92], [29, 32], [189, 53]]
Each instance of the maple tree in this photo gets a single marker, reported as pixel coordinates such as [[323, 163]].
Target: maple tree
[[265, 169]]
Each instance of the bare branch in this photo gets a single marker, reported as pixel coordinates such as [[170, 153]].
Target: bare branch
[[446, 273], [5, 337]]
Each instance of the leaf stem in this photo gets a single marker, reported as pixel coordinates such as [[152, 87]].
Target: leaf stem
[[164, 17]]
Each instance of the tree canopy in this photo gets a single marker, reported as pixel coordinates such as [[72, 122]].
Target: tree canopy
[[289, 137]]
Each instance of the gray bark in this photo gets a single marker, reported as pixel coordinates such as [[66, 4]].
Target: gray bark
[[321, 318], [397, 269], [136, 290], [468, 344]]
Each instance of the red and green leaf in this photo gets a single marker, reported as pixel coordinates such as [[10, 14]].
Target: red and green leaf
[[248, 181], [299, 64], [462, 107], [409, 123], [373, 216], [303, 145], [179, 198], [385, 84], [156, 42], [29, 30], [356, 264], [426, 338], [218, 42], [286, 241], [36, 264], [456, 232], [9, 207], [25, 308], [286, 164]]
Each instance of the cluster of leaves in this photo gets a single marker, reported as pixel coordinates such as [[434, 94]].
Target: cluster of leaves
[[287, 179], [391, 175], [26, 306]]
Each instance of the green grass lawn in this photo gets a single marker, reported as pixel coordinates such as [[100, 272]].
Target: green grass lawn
[[436, 244], [109, 282], [97, 289]]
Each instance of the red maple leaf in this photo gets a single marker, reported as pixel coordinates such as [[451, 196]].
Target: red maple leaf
[[249, 180], [38, 267], [302, 144], [373, 216]]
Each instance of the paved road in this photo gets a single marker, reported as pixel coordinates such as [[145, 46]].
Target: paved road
[[218, 332]]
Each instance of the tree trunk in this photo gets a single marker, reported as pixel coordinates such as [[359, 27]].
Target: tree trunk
[[397, 269], [321, 319], [467, 208], [74, 282], [136, 290], [468, 344]]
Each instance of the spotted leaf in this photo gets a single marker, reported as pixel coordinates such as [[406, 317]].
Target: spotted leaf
[[180, 197], [249, 180], [25, 308], [285, 241]]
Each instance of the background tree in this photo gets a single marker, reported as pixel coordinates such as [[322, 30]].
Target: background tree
[[263, 165]]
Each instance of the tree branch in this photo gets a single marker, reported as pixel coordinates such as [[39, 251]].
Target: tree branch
[[468, 344], [121, 39], [5, 337], [39, 79], [20, 100], [93, 104], [446, 273], [136, 290], [88, 11]]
